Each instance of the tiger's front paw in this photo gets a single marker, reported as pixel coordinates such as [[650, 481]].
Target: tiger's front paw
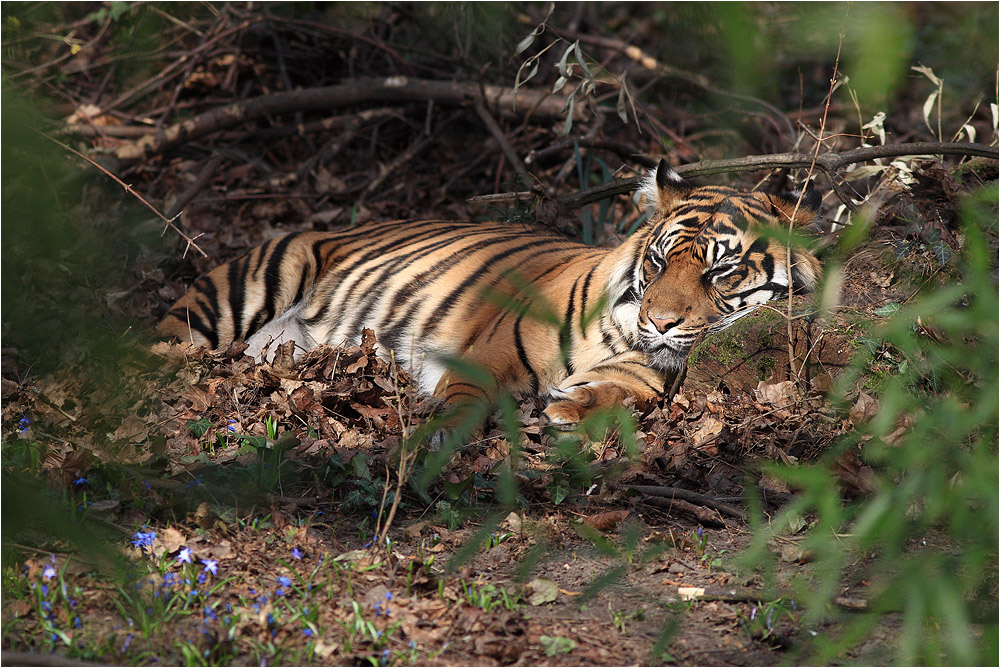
[[570, 407]]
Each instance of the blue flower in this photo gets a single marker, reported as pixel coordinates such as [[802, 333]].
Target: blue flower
[[142, 540], [211, 566], [185, 555], [297, 553], [23, 423], [49, 573], [76, 622], [308, 632], [700, 530], [80, 481], [284, 581]]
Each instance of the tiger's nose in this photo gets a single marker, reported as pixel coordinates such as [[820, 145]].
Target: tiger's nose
[[662, 323]]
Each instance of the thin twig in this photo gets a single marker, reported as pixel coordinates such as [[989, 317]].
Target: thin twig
[[497, 132], [130, 190]]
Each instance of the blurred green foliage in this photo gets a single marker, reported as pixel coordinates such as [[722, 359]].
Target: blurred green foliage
[[926, 538], [66, 241]]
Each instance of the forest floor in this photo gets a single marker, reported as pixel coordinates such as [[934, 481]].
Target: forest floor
[[253, 502]]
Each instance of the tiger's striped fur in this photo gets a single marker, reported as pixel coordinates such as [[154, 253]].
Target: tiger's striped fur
[[587, 327]]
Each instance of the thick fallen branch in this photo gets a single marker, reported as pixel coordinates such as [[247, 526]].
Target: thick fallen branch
[[686, 495], [827, 162], [502, 100], [709, 518], [739, 595]]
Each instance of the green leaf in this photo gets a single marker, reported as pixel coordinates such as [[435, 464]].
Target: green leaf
[[542, 591], [557, 645], [199, 427], [888, 310]]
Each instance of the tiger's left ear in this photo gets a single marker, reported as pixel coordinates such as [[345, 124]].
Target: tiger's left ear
[[662, 187], [809, 203]]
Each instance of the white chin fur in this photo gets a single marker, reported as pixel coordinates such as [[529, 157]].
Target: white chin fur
[[667, 359]]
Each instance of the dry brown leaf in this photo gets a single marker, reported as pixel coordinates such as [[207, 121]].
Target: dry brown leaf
[[606, 521], [863, 409], [708, 429]]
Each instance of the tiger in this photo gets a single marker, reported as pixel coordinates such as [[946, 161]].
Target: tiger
[[585, 328]]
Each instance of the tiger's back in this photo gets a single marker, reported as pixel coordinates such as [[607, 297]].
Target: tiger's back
[[427, 288]]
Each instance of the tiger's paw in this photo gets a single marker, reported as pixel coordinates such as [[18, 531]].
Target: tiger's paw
[[568, 408]]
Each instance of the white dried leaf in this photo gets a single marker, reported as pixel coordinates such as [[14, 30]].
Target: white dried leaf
[[568, 125], [928, 108], [877, 125], [579, 59], [563, 68], [863, 172], [929, 73], [620, 106]]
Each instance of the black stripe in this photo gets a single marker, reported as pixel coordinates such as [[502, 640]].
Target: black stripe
[[237, 276], [583, 300], [351, 262], [523, 356], [565, 333], [405, 292], [448, 303], [194, 321], [273, 276], [503, 316]]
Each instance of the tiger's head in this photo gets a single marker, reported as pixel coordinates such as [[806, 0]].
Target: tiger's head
[[703, 260]]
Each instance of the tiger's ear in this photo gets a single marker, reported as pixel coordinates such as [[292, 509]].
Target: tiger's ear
[[809, 202], [662, 187]]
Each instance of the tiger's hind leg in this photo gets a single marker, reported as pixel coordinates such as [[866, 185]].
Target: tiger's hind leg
[[604, 386]]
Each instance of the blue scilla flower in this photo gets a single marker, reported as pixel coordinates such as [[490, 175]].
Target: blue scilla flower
[[143, 539]]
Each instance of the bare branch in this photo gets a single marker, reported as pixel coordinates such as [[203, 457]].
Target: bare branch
[[828, 162], [388, 89], [130, 190]]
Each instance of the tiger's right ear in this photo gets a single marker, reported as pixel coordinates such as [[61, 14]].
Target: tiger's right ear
[[662, 187]]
